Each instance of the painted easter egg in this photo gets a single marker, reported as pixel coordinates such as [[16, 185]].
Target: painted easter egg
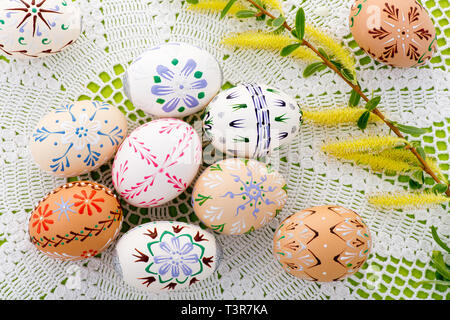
[[36, 28], [77, 137], [173, 80], [397, 33], [236, 196], [75, 221], [157, 162], [162, 256], [325, 243], [250, 120]]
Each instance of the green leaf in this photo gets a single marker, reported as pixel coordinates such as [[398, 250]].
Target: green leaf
[[414, 184], [440, 188], [289, 49], [441, 267], [313, 68], [373, 103], [421, 152], [323, 53], [294, 33], [347, 74], [278, 21], [269, 22], [245, 14], [227, 8], [411, 130], [300, 23], [337, 64], [354, 99], [363, 120], [438, 240], [418, 176], [192, 1]]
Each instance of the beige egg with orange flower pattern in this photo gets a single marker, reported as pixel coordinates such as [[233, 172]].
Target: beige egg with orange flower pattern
[[397, 33], [325, 243], [76, 221]]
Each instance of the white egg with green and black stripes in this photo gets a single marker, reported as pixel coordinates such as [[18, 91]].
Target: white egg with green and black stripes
[[251, 120]]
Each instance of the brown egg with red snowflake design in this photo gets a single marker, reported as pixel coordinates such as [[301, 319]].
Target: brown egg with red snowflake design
[[75, 221], [325, 243], [397, 33]]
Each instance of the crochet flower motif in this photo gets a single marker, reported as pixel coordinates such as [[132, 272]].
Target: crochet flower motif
[[81, 132], [41, 218], [180, 88], [86, 202], [175, 258]]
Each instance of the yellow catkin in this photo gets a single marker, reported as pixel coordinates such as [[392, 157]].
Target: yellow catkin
[[331, 46], [268, 41], [364, 144], [406, 199], [408, 156], [336, 116], [216, 6], [379, 163]]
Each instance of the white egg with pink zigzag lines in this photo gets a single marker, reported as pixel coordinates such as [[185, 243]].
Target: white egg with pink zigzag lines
[[157, 162]]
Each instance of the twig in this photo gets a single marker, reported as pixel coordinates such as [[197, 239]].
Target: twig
[[358, 90]]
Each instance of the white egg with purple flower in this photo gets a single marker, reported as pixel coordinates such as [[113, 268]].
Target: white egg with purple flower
[[166, 255], [173, 80]]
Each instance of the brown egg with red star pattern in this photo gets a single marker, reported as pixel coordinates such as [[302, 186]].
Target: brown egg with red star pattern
[[325, 243], [76, 221]]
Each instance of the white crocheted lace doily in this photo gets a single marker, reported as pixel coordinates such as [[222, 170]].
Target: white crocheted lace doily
[[116, 31]]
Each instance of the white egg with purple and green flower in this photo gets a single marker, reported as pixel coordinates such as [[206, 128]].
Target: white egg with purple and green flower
[[166, 255], [37, 28], [77, 137], [251, 120], [173, 80]]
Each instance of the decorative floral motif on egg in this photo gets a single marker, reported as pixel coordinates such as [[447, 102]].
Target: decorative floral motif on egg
[[77, 138], [251, 120], [76, 221], [236, 196], [325, 243], [173, 80], [36, 28], [397, 33], [157, 162], [166, 255]]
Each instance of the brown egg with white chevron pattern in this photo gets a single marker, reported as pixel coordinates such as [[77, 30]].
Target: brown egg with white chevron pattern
[[75, 221], [324, 243]]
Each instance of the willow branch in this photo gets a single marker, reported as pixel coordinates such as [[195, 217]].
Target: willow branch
[[376, 111]]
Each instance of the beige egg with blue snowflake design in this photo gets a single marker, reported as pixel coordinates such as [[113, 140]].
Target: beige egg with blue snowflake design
[[236, 196], [166, 255], [251, 120], [37, 28], [78, 137]]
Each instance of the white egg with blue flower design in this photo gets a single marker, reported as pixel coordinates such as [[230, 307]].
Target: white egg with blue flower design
[[166, 255], [77, 137], [251, 120], [173, 80]]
